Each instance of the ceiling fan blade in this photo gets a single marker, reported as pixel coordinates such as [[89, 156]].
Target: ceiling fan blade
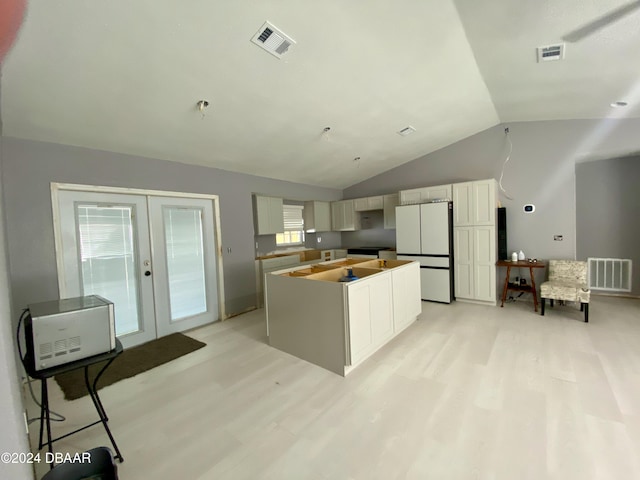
[[601, 22]]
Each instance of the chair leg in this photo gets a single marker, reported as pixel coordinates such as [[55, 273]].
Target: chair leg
[[581, 307], [542, 302], [586, 312], [551, 301]]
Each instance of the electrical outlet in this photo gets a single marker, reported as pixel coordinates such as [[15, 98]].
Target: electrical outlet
[[319, 239], [557, 238]]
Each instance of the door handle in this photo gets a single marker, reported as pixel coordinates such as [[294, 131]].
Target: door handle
[[147, 273]]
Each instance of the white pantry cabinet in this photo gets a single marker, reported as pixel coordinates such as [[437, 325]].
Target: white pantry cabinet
[[268, 215], [474, 207], [317, 216]]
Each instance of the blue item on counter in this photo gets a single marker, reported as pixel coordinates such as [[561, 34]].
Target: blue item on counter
[[349, 277]]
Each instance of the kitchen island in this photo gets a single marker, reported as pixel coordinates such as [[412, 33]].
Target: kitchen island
[[337, 325]]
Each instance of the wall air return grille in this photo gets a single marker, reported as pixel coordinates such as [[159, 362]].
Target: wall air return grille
[[610, 274], [550, 53], [272, 40]]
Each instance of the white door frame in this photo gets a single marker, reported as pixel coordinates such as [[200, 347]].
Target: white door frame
[[57, 231]]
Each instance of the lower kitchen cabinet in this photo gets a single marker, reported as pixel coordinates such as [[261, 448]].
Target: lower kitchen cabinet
[[406, 288], [338, 325], [370, 316]]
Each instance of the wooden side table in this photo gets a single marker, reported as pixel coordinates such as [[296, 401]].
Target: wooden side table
[[531, 288]]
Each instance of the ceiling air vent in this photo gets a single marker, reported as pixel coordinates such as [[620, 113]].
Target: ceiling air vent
[[550, 53], [272, 40], [406, 131]]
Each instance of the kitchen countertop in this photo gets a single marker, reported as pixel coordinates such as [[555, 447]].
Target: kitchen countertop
[[309, 254], [305, 254]]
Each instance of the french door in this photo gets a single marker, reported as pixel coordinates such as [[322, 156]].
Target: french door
[[154, 257]]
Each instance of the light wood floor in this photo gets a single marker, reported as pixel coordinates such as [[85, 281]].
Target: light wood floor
[[467, 392]]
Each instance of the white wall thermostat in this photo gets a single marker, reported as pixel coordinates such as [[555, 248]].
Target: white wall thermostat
[[529, 208]]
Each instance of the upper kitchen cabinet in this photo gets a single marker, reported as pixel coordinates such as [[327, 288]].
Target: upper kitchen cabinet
[[268, 216], [474, 203], [317, 216], [343, 216], [425, 194], [390, 202], [368, 203]]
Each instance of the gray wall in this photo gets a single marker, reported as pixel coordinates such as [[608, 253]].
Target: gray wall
[[13, 437], [30, 167], [608, 211], [541, 170], [372, 233]]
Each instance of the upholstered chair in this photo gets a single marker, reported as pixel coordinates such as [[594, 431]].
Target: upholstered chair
[[567, 283]]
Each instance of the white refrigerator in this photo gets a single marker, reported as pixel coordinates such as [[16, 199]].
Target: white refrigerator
[[424, 233]]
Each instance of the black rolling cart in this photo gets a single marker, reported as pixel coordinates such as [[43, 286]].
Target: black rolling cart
[[85, 363]]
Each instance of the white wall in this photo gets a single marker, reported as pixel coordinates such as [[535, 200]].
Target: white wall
[[12, 431], [608, 211], [30, 167], [541, 170]]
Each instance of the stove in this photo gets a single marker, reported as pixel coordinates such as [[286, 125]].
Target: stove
[[372, 251]]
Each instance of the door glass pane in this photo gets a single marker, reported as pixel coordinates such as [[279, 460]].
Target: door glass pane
[[185, 261], [108, 263]]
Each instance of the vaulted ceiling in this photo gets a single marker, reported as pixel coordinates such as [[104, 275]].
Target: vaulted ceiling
[[125, 76]]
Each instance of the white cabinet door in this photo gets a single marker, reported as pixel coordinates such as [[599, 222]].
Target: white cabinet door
[[361, 204], [339, 253], [376, 203], [408, 229], [484, 202], [484, 270], [317, 216], [360, 334], [462, 204], [380, 290], [343, 216], [390, 202], [475, 259], [410, 197], [406, 296], [276, 215], [370, 315], [438, 192], [268, 215], [349, 215], [337, 217], [425, 194], [463, 263], [368, 203]]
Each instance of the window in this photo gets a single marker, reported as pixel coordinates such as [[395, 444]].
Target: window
[[293, 226]]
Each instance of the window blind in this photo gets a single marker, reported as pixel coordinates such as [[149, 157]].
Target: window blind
[[293, 218]]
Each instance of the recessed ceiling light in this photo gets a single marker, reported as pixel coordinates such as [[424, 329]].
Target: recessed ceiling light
[[619, 104]]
